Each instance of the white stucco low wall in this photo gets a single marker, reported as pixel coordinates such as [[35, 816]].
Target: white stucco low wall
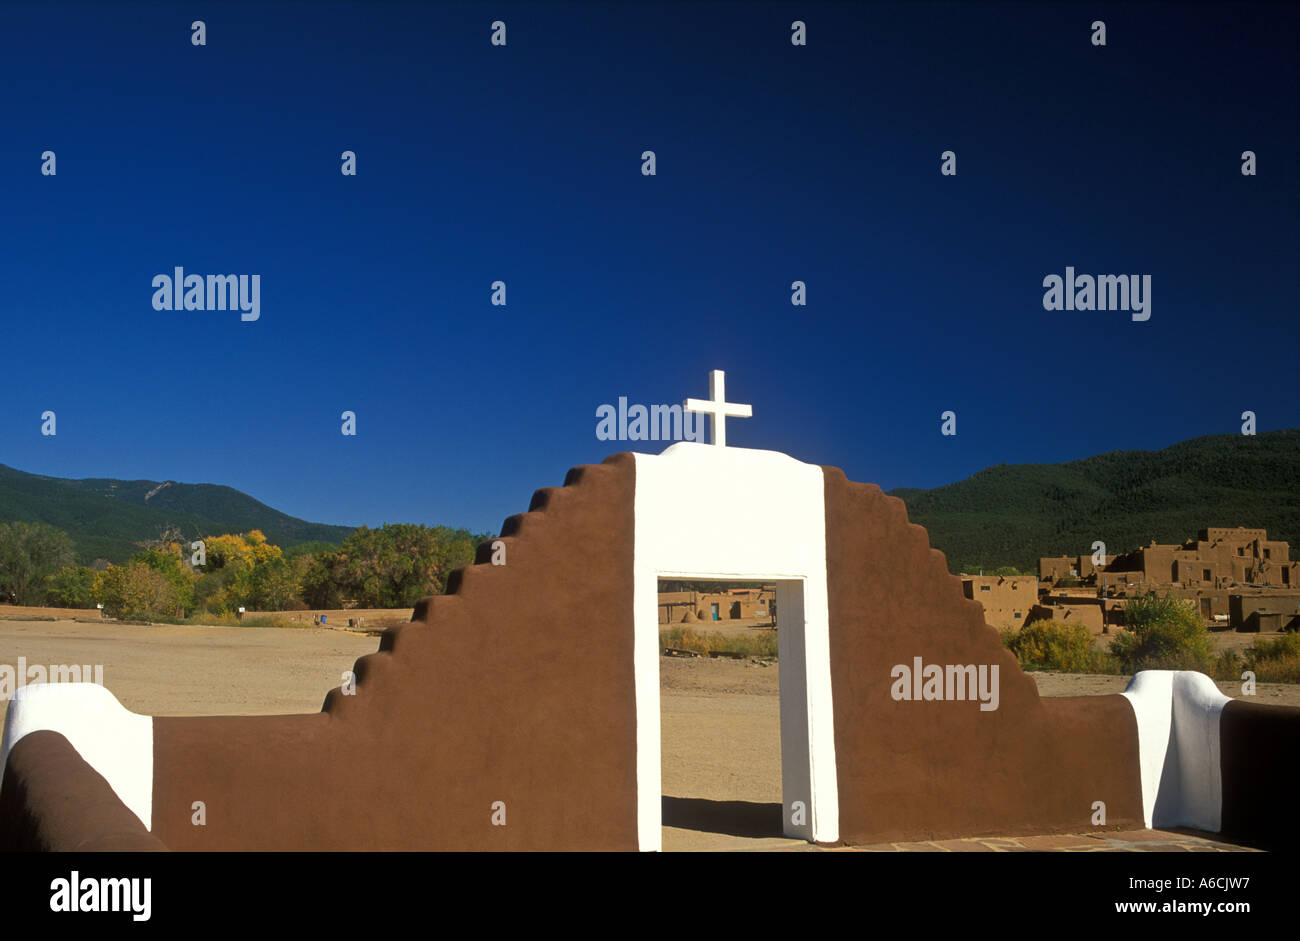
[[1178, 715]]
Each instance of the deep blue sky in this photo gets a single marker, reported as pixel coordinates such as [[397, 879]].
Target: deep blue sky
[[522, 163]]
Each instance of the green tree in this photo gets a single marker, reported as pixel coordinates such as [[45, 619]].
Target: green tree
[[169, 562], [136, 590], [309, 549], [390, 567], [276, 585], [215, 589], [322, 582], [71, 587], [29, 554], [246, 570]]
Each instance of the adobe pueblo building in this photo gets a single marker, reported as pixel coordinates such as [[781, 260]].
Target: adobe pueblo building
[[1236, 577], [733, 604], [495, 721]]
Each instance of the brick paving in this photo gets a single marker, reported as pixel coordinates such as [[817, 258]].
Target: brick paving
[[1108, 841]]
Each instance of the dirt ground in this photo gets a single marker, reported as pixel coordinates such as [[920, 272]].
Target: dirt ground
[[720, 718], [166, 670]]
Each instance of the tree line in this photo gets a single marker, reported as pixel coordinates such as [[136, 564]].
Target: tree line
[[389, 567]]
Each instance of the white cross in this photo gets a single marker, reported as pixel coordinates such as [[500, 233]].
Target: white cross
[[717, 408]]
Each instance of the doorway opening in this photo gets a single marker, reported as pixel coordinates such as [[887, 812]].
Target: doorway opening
[[733, 717], [720, 721]]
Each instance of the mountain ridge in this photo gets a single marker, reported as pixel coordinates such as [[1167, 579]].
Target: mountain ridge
[[107, 517], [1003, 515], [1012, 514]]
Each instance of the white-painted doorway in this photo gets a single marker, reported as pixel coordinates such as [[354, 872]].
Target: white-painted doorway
[[726, 514], [796, 771]]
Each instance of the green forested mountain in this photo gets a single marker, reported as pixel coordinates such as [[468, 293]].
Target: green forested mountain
[[107, 518], [1012, 514]]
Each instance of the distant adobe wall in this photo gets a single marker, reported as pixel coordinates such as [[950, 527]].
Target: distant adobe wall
[[22, 612], [517, 686], [932, 769]]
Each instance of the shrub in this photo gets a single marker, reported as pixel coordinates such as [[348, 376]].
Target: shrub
[[228, 619], [1163, 633], [757, 644], [1228, 666], [1274, 661], [1052, 645], [137, 591], [1278, 670], [1288, 645]]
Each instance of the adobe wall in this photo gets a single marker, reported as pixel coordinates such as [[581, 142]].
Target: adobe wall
[[509, 689], [1003, 597], [515, 687], [1052, 568], [919, 770], [1091, 616], [1259, 764], [45, 778], [521, 686]]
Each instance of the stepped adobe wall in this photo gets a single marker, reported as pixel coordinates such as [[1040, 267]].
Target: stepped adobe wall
[[516, 686], [923, 770], [514, 698]]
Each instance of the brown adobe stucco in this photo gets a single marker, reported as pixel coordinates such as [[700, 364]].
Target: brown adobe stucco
[[922, 770], [506, 689], [518, 686], [1259, 763], [51, 800]]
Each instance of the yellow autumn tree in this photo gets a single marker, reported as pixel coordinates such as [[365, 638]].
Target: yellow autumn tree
[[236, 566], [244, 552]]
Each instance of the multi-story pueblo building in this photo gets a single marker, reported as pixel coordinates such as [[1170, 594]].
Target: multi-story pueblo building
[[1237, 577]]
